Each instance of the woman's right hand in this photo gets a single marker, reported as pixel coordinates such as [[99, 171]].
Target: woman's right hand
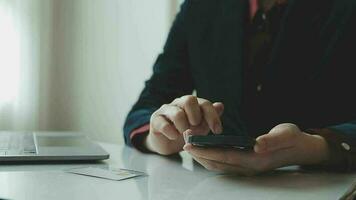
[[169, 122]]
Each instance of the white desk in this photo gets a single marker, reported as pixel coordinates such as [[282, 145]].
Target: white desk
[[167, 179]]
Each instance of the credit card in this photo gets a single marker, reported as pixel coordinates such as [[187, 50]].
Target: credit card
[[110, 174]]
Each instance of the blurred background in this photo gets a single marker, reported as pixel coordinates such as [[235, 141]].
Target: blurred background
[[77, 65]]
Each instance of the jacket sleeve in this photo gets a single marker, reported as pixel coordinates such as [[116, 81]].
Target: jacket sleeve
[[171, 77], [342, 146], [345, 143], [341, 138]]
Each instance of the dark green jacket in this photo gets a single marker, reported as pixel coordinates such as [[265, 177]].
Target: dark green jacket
[[309, 81]]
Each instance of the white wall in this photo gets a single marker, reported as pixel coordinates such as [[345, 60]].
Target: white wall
[[103, 51]]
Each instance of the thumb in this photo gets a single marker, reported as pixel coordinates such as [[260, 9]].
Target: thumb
[[219, 107], [276, 139]]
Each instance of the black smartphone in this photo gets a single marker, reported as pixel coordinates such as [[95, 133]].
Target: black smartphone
[[222, 141]]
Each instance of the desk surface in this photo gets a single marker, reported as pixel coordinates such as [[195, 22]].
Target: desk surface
[[168, 178]]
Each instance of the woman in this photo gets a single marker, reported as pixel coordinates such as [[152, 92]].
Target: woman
[[280, 71]]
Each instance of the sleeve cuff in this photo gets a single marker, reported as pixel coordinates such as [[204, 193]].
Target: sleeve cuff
[[138, 136], [142, 130], [135, 120], [340, 157]]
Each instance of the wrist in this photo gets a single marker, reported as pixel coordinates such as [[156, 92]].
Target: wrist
[[318, 148]]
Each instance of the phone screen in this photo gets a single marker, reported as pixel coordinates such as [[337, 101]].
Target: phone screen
[[223, 141]]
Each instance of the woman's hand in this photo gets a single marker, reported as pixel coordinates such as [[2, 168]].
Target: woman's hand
[[170, 121], [284, 145]]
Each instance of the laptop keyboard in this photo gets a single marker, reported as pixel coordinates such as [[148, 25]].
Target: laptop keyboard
[[17, 143]]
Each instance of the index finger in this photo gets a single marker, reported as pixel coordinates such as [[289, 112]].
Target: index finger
[[211, 116], [190, 106]]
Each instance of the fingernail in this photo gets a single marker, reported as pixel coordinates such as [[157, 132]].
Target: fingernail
[[185, 136], [187, 147], [258, 149]]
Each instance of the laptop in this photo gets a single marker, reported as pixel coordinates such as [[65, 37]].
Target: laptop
[[48, 146]]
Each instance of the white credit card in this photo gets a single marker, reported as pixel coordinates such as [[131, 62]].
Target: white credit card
[[111, 174]]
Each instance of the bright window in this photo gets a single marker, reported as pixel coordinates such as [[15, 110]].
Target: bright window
[[9, 54]]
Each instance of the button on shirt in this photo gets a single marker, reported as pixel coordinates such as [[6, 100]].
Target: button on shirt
[[346, 146], [261, 30]]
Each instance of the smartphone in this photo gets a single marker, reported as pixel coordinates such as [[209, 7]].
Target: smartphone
[[222, 141]]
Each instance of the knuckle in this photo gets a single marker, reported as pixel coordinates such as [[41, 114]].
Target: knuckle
[[176, 100], [292, 135], [154, 117], [290, 125], [164, 106], [205, 103], [166, 128], [189, 99], [178, 114]]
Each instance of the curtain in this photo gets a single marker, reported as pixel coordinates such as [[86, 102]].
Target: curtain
[[24, 56], [77, 65]]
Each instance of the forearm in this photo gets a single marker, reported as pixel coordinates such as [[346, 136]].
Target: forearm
[[171, 78]]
